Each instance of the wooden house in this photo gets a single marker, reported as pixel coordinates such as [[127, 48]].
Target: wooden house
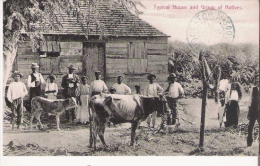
[[129, 47]]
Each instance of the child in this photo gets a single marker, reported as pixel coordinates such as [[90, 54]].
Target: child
[[138, 89], [51, 89], [15, 95], [112, 90]]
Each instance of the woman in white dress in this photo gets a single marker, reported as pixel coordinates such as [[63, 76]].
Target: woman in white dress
[[51, 89], [82, 93]]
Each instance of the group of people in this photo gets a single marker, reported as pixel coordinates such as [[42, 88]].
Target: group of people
[[73, 87]]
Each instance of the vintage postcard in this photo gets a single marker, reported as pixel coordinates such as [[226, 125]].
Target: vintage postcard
[[106, 78]]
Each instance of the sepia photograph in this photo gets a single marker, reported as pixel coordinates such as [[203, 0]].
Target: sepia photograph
[[106, 78]]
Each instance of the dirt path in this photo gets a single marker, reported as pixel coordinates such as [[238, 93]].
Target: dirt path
[[75, 138]]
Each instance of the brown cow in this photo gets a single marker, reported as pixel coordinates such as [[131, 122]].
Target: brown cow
[[56, 107], [121, 109]]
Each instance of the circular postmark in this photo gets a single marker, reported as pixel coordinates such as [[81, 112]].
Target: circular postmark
[[210, 27]]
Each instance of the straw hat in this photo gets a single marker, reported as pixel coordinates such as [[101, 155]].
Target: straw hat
[[34, 65], [71, 67], [17, 73]]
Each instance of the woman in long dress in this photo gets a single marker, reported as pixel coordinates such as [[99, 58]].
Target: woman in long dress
[[51, 89], [233, 97], [82, 93]]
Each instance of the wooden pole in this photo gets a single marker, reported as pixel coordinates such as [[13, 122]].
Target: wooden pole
[[204, 102]]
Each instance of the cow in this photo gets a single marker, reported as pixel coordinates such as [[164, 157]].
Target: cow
[[122, 109], [56, 107]]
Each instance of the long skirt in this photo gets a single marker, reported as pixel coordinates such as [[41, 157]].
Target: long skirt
[[232, 113], [82, 110]]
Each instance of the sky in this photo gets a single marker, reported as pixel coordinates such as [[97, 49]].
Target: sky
[[174, 22]]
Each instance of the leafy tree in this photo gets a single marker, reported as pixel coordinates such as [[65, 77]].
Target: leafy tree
[[23, 15]]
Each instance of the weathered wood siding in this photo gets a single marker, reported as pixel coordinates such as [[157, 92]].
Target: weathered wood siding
[[132, 57], [135, 58]]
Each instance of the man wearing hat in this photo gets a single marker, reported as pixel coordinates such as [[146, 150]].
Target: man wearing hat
[[35, 80], [152, 89], [174, 91], [121, 88], [70, 82], [15, 94], [98, 86], [51, 89]]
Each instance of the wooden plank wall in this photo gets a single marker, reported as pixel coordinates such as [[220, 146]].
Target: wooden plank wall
[[155, 61], [71, 53]]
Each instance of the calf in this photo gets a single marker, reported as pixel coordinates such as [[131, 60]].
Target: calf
[[121, 109], [56, 107]]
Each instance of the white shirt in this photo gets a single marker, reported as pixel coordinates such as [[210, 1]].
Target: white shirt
[[122, 89], [38, 78], [98, 85], [70, 76], [232, 96], [16, 90], [152, 89], [223, 85], [175, 90], [51, 87]]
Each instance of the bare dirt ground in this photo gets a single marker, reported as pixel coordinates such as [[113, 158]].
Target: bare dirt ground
[[73, 139]]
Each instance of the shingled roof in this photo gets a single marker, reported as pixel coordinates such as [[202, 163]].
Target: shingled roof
[[115, 21]]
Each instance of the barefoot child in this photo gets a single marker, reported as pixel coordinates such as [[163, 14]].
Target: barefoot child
[[15, 95]]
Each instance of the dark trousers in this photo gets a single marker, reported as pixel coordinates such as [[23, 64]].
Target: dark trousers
[[250, 131], [171, 118], [232, 113], [35, 91], [17, 110], [70, 113]]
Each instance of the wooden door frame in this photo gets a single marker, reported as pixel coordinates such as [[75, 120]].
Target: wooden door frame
[[98, 42]]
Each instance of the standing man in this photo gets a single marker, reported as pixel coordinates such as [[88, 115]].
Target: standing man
[[70, 82], [98, 86], [35, 80], [152, 89], [121, 88], [174, 92], [15, 95]]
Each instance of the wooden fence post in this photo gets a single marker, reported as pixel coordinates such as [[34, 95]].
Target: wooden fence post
[[204, 101]]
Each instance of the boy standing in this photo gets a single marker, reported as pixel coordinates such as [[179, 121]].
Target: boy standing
[[15, 95]]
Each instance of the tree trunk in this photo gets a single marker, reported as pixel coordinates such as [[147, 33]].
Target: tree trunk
[[9, 54]]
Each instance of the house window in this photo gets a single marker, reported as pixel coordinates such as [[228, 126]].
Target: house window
[[49, 48], [137, 58], [49, 57]]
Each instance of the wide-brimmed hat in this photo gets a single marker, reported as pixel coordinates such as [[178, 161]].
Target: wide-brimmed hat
[[150, 76], [71, 67], [17, 73], [52, 76], [97, 73], [34, 65], [172, 75], [84, 77]]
